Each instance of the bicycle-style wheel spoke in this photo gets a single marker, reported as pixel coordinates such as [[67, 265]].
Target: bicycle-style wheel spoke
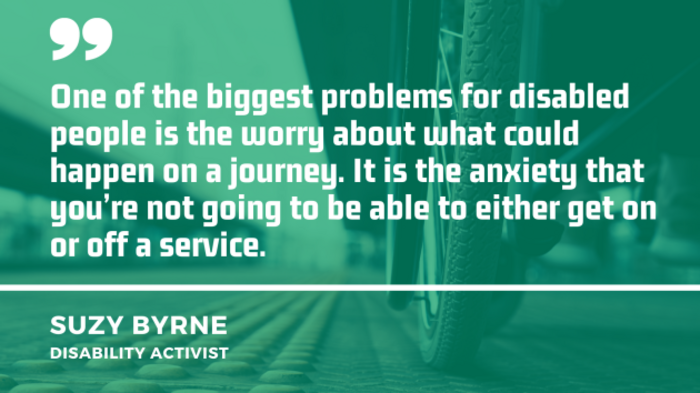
[[452, 33]]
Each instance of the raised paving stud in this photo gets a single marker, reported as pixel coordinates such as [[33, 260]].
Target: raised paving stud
[[276, 389], [6, 383], [40, 388], [291, 364], [170, 339], [205, 342], [250, 348], [263, 342], [180, 362], [88, 345], [37, 366], [110, 364], [296, 356], [249, 358], [300, 348], [229, 368], [303, 341], [132, 386], [195, 391], [161, 371], [284, 376], [117, 341]]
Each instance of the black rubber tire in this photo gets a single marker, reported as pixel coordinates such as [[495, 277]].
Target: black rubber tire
[[490, 59]]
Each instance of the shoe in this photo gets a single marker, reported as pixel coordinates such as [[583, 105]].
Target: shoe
[[570, 256], [578, 248], [677, 237]]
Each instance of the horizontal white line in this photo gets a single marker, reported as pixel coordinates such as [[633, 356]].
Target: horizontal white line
[[342, 288]]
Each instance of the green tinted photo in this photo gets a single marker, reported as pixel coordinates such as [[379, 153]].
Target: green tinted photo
[[362, 196]]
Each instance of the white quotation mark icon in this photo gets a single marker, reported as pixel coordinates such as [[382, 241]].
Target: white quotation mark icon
[[66, 32]]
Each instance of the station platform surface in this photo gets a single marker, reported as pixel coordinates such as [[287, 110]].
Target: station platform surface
[[352, 342]]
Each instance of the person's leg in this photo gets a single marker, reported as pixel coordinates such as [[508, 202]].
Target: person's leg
[[677, 238], [647, 46]]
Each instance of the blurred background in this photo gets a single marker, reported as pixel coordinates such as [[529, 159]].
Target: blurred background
[[287, 44], [250, 45], [573, 341]]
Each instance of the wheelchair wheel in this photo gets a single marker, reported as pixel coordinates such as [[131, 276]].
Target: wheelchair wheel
[[467, 251]]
